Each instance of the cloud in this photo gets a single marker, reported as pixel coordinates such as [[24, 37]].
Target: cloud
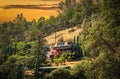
[[40, 7]]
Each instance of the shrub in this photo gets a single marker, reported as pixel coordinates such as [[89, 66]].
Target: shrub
[[71, 30], [59, 74]]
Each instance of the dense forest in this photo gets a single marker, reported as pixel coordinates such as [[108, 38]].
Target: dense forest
[[22, 42]]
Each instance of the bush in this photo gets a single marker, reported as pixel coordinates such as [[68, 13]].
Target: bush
[[82, 70], [59, 74], [71, 30], [61, 39], [69, 58]]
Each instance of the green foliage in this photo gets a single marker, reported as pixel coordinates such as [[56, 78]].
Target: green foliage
[[81, 70], [66, 56], [60, 59], [99, 38], [9, 68], [15, 46], [59, 74]]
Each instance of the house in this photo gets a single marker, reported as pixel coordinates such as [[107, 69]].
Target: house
[[58, 48]]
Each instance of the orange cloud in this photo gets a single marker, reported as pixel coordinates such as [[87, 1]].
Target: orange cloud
[[41, 6]]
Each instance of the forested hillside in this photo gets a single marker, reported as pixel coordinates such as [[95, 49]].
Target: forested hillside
[[22, 42]]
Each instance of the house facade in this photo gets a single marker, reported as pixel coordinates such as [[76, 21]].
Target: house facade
[[59, 48]]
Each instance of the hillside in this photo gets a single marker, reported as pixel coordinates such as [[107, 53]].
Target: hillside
[[95, 54], [67, 34]]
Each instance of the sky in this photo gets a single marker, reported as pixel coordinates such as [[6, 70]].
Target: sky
[[31, 9]]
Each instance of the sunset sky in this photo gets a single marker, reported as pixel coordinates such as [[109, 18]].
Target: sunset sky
[[30, 8]]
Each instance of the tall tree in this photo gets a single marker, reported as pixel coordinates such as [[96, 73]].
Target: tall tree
[[40, 52]]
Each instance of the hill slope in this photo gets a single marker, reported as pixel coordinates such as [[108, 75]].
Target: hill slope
[[66, 35]]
